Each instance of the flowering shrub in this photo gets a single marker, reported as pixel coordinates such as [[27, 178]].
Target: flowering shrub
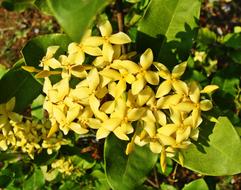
[[96, 88]]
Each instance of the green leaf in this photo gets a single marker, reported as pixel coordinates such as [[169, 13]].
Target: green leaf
[[3, 70], [37, 107], [44, 158], [167, 187], [126, 172], [232, 40], [168, 27], [36, 48], [217, 151], [198, 184], [235, 56], [20, 84], [35, 182], [75, 16], [205, 36]]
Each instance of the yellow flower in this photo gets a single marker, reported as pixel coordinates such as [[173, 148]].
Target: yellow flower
[[120, 121], [195, 105], [7, 114], [171, 80], [77, 51], [108, 39]]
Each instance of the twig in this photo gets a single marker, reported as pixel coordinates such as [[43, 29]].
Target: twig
[[156, 178], [152, 183], [120, 20]]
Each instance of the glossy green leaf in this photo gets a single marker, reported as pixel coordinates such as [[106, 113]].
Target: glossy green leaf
[[36, 48], [75, 16], [217, 152], [34, 182], [168, 27], [126, 172], [20, 84], [198, 184]]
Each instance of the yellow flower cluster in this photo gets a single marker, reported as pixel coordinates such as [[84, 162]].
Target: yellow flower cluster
[[64, 166], [29, 136], [114, 92]]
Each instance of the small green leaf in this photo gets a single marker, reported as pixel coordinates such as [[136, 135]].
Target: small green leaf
[[126, 172], [36, 48], [205, 36], [167, 187], [232, 40], [75, 16], [34, 182], [168, 27], [198, 184], [20, 84], [217, 151]]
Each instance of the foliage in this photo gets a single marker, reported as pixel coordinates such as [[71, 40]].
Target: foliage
[[90, 85]]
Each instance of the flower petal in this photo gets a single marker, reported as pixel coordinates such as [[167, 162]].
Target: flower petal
[[77, 128], [155, 147], [135, 114], [168, 129], [178, 70], [112, 123], [138, 85], [146, 59], [107, 52], [209, 89], [119, 132], [102, 133], [105, 28], [119, 38], [93, 41], [93, 79], [94, 51], [180, 87], [152, 77], [164, 88], [163, 70], [206, 105]]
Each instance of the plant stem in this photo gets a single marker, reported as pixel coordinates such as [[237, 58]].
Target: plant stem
[[120, 20]]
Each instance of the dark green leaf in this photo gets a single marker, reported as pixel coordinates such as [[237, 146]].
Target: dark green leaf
[[205, 36], [20, 84], [35, 182], [232, 40], [126, 172], [36, 48], [235, 56], [17, 5], [44, 158], [168, 27], [217, 151], [198, 184], [75, 16]]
